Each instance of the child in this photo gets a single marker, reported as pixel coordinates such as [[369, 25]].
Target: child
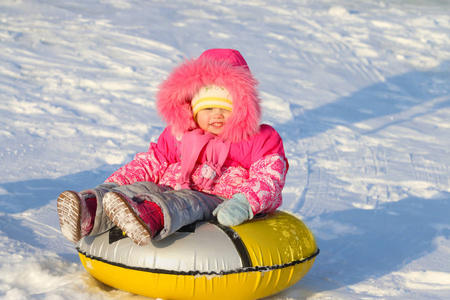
[[212, 160]]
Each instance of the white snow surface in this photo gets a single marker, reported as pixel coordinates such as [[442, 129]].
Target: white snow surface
[[358, 89]]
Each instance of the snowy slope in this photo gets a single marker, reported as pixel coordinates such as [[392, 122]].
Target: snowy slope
[[359, 91]]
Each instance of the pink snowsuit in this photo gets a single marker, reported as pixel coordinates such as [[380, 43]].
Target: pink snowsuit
[[246, 158]]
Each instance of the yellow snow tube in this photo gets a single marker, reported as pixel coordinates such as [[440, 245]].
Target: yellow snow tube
[[206, 260]]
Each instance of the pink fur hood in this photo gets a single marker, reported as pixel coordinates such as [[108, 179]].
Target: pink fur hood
[[221, 67]]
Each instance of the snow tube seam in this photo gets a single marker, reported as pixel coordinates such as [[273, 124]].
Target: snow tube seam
[[199, 273], [238, 243]]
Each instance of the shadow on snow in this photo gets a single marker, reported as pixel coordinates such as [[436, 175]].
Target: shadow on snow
[[23, 195], [395, 95]]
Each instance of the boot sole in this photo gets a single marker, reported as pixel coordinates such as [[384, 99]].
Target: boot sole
[[69, 211], [123, 215]]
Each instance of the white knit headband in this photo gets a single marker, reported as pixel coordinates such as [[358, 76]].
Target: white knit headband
[[210, 97]]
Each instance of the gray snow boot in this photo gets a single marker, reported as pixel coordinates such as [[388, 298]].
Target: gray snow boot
[[75, 218]]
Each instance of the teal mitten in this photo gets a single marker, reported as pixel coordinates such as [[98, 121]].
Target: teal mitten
[[234, 211]]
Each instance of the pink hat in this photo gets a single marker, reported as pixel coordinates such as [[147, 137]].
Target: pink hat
[[232, 57]]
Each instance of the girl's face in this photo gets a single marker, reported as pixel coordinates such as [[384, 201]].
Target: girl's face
[[213, 119]]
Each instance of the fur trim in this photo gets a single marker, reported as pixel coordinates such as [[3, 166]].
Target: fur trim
[[175, 94]]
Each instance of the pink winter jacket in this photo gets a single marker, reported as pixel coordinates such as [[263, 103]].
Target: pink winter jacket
[[255, 163], [255, 167]]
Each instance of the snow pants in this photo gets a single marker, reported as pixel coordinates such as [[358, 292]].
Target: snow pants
[[179, 207]]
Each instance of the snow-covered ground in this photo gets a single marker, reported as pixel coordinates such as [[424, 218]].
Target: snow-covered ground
[[358, 89]]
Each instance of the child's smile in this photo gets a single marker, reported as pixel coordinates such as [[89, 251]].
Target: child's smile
[[213, 119]]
